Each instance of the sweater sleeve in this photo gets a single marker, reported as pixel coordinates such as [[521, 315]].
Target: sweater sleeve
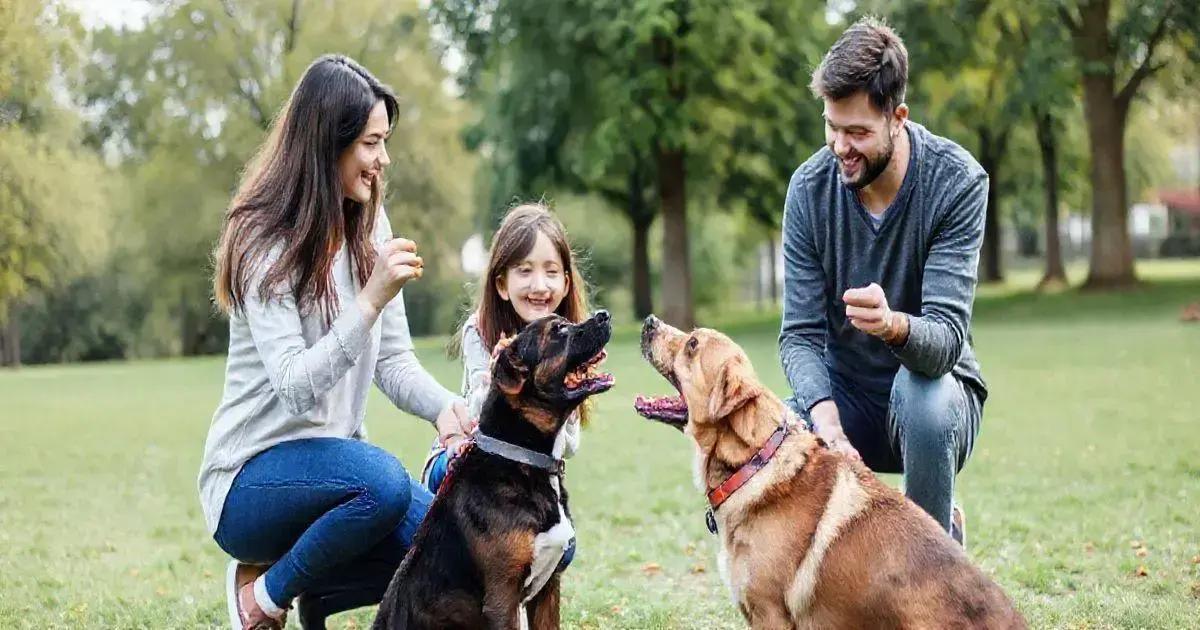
[[936, 335], [802, 335], [398, 373], [299, 374], [477, 376]]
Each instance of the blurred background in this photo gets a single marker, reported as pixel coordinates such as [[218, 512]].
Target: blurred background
[[124, 124], [664, 133]]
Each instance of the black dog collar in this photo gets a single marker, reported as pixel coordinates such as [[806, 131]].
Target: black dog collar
[[518, 454]]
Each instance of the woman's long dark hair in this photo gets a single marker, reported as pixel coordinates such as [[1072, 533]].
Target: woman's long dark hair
[[290, 209]]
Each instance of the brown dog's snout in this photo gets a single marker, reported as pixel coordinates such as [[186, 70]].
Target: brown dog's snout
[[649, 327]]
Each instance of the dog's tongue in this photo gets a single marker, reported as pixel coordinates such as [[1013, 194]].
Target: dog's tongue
[[653, 404]]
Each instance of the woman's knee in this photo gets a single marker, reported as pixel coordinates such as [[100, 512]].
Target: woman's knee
[[385, 487]]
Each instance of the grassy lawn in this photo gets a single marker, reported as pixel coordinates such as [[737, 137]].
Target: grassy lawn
[[1082, 493]]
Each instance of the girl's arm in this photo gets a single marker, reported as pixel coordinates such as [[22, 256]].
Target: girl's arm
[[477, 375]]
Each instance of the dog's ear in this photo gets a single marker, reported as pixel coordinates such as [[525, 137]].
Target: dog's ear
[[733, 388], [508, 371]]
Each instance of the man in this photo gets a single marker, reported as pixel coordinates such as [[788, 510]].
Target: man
[[882, 230]]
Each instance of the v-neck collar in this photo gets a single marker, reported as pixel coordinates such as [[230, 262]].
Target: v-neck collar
[[900, 201]]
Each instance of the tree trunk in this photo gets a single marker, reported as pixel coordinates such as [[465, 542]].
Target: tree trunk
[[10, 339], [1111, 261], [187, 333], [991, 151], [1055, 276], [640, 219], [643, 300], [676, 271]]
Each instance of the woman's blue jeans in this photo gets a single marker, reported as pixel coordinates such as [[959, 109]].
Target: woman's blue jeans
[[335, 517]]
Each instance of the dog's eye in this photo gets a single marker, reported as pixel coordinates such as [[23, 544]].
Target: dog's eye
[[692, 344]]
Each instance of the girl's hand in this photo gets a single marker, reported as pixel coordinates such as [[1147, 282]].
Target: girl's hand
[[397, 262]]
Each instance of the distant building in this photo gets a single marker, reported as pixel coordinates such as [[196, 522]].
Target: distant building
[[1183, 222]]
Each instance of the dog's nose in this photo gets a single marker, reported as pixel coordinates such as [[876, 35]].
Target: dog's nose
[[601, 316], [651, 322]]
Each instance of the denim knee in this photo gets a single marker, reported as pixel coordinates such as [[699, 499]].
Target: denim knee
[[926, 409], [385, 490]]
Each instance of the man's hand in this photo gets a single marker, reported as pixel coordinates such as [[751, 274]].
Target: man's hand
[[828, 426], [867, 309]]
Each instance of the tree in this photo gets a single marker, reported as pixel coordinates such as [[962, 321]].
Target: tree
[[187, 98], [668, 84], [964, 57], [1118, 52], [52, 195]]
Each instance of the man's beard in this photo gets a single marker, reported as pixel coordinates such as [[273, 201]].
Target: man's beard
[[872, 167]]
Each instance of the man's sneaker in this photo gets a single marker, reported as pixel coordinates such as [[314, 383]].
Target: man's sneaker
[[958, 526]]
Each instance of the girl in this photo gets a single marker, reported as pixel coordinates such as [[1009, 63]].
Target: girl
[[310, 276], [530, 274]]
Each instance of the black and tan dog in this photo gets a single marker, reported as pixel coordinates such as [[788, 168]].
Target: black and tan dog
[[809, 537], [488, 553]]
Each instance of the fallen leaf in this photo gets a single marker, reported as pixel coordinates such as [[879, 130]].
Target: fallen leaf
[[1141, 571], [1088, 547], [698, 568], [1134, 544], [1142, 553], [1196, 560], [160, 591], [689, 549], [133, 572], [616, 610], [651, 568], [1196, 590], [207, 573]]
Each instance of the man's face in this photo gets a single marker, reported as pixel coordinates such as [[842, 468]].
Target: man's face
[[861, 136]]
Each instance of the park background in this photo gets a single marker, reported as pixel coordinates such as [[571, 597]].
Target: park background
[[663, 132]]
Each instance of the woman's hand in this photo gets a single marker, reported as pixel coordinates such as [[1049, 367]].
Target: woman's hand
[[397, 262], [453, 425]]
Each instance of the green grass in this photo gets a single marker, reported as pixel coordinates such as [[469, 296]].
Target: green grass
[[1091, 440]]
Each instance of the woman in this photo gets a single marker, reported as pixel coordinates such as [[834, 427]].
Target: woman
[[310, 276]]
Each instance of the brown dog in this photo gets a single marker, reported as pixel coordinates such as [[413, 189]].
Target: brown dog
[[810, 539]]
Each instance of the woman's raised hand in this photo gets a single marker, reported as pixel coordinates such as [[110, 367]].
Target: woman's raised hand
[[397, 262]]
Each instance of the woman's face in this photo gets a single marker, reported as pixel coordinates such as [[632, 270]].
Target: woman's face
[[361, 165]]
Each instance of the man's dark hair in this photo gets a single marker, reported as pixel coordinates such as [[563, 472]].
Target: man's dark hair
[[868, 57]]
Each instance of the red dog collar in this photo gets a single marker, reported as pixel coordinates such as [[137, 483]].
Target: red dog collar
[[718, 495]]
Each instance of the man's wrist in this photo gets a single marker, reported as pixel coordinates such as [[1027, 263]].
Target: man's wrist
[[895, 332]]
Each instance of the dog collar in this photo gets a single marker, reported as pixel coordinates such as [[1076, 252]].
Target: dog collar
[[718, 495], [518, 454]]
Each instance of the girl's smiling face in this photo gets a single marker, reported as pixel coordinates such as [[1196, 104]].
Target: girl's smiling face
[[536, 285]]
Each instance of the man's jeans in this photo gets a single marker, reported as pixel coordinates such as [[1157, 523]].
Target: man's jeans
[[335, 516], [925, 429]]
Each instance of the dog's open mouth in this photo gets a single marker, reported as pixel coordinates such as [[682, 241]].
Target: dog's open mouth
[[670, 410], [586, 379]]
